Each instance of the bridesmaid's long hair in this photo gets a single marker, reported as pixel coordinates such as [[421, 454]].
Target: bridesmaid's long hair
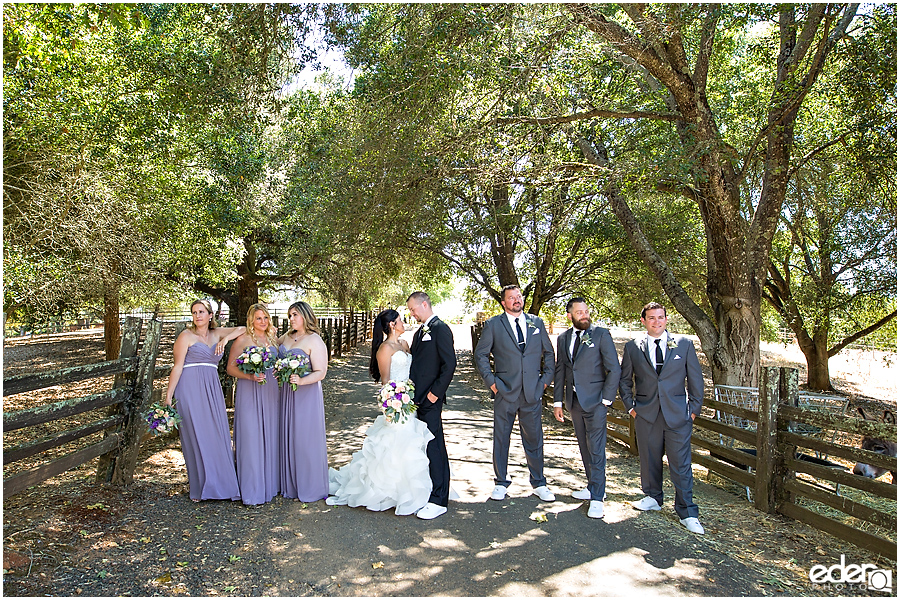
[[382, 325], [205, 304], [310, 322], [271, 332]]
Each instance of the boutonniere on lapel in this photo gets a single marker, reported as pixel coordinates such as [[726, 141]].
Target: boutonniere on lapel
[[426, 333], [586, 339], [671, 344], [530, 324]]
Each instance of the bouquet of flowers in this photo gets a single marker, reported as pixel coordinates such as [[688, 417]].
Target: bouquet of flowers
[[255, 359], [395, 400], [162, 418], [297, 364]]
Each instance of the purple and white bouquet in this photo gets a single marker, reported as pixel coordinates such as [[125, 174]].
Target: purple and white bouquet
[[396, 400], [296, 364], [162, 418], [255, 359]]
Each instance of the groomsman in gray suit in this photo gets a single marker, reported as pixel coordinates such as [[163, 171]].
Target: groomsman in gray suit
[[523, 368], [662, 388], [586, 380]]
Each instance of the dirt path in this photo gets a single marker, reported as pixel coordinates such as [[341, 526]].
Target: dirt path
[[75, 538]]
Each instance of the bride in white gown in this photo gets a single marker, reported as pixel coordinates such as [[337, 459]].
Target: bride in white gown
[[391, 469]]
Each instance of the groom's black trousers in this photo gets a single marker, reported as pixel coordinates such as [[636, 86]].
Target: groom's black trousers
[[438, 460]]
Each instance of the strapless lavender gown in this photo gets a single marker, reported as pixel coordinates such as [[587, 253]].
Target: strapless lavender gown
[[257, 438], [205, 439], [304, 459]]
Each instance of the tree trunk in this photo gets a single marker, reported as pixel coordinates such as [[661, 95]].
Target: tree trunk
[[735, 359], [503, 246], [248, 295], [815, 349], [111, 331]]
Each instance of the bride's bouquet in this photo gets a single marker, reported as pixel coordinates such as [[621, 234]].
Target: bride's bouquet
[[297, 364], [255, 359], [395, 400]]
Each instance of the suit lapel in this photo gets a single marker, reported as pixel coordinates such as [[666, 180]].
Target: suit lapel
[[512, 335], [567, 343], [645, 350]]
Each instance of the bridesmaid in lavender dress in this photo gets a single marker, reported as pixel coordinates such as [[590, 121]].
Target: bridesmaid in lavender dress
[[194, 383], [304, 460], [257, 414]]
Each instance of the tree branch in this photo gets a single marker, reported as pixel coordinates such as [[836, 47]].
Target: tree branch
[[861, 334]]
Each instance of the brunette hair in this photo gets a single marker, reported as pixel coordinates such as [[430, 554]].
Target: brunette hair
[[382, 324], [575, 300], [205, 304], [271, 332], [505, 289], [310, 322], [652, 306]]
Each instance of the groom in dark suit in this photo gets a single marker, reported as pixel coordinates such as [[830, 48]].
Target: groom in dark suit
[[662, 388], [523, 368], [586, 380], [433, 364]]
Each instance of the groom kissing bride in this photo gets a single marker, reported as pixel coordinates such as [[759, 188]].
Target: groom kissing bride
[[433, 364]]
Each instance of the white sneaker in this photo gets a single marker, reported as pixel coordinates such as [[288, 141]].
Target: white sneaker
[[544, 493], [584, 494], [596, 510], [499, 492], [693, 525], [431, 511], [646, 503], [331, 501]]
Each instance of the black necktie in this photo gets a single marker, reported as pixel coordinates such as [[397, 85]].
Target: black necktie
[[577, 345], [521, 337], [659, 357]]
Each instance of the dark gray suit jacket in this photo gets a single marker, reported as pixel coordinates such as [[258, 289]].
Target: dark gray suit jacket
[[677, 391], [515, 372], [595, 373]]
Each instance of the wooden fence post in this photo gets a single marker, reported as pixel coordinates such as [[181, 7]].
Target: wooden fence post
[[632, 436], [339, 330], [770, 471], [135, 426], [131, 336]]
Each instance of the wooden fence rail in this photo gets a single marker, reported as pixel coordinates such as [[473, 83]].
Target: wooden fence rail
[[766, 458], [121, 425]]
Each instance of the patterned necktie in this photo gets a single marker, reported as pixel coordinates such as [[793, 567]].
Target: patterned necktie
[[577, 345], [520, 336], [659, 357]]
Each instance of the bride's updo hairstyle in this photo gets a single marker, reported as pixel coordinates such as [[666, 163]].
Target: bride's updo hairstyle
[[382, 325]]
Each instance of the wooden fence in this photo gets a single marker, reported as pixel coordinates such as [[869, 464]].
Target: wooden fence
[[123, 426], [781, 481]]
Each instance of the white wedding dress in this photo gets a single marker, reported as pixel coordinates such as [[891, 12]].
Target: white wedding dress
[[391, 469]]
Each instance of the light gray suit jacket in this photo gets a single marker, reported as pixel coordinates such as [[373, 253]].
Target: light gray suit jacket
[[515, 372], [595, 374], [677, 391]]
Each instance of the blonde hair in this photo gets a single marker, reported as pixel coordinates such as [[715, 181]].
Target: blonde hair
[[271, 332], [208, 307], [310, 322]]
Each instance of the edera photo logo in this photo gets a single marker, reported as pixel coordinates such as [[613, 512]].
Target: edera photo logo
[[844, 576]]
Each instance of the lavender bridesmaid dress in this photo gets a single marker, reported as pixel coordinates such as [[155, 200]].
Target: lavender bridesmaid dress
[[257, 438], [205, 439], [304, 459]]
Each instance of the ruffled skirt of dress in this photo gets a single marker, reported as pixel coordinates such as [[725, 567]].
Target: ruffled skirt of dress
[[391, 469]]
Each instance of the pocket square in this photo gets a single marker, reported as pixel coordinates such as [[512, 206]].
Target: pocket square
[[426, 337], [534, 332], [676, 357]]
